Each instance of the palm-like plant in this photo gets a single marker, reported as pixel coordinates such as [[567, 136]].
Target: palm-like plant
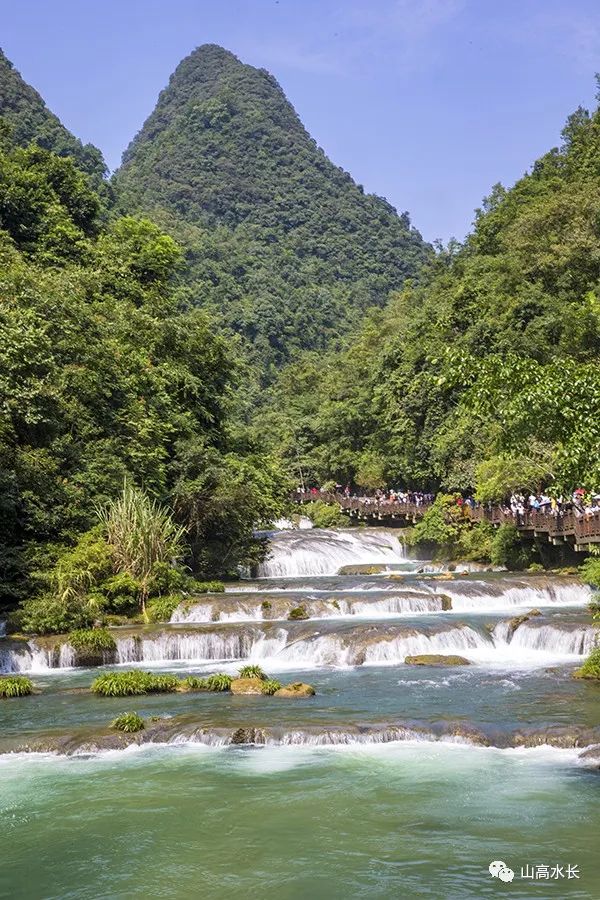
[[141, 533]]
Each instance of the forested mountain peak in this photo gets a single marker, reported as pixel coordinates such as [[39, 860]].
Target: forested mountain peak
[[30, 120], [280, 241]]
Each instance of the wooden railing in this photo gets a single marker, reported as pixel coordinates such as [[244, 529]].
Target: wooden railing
[[578, 528]]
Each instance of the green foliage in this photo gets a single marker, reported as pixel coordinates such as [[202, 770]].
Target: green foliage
[[48, 614], [484, 375], [162, 608], [266, 605], [500, 476], [205, 587], [218, 682], [298, 612], [15, 686], [129, 722], [284, 244], [252, 672], [589, 571], [475, 542], [591, 667], [140, 534], [507, 549], [324, 515], [269, 686], [92, 640], [441, 524], [131, 683]]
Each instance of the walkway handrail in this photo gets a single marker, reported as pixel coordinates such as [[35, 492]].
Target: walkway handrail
[[563, 524]]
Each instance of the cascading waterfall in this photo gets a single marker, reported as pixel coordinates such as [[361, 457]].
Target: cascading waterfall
[[482, 596], [324, 552]]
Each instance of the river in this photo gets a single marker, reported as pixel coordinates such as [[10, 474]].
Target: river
[[393, 781]]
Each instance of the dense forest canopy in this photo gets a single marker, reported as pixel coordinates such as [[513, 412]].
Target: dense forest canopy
[[288, 249], [485, 375], [107, 374]]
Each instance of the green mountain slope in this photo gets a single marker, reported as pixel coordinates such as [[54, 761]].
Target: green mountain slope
[[486, 375], [282, 242], [30, 120]]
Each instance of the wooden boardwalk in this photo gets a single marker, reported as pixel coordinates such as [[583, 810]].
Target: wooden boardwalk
[[578, 529]]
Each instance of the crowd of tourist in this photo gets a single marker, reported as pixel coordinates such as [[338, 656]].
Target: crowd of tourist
[[580, 502]]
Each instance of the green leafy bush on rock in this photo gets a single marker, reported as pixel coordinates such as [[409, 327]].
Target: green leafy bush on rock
[[15, 686], [133, 682], [591, 667], [92, 641], [270, 686], [252, 671], [129, 722]]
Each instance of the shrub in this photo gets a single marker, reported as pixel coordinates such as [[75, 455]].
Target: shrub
[[193, 683], [162, 608], [475, 542], [129, 722], [92, 640], [252, 672], [218, 682], [50, 615], [298, 612], [163, 684], [441, 524], [590, 571], [121, 585], [15, 686], [594, 608], [324, 515], [270, 686], [536, 567], [206, 587], [507, 549], [266, 605], [591, 667], [132, 683]]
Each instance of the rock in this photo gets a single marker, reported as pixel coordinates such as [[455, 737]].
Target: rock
[[436, 659], [297, 689], [519, 620], [247, 686], [446, 602], [357, 569]]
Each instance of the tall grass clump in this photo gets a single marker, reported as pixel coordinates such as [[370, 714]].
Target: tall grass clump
[[141, 534], [129, 722], [15, 686], [132, 683], [92, 640]]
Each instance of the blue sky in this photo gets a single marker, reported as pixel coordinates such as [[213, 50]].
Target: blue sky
[[426, 102]]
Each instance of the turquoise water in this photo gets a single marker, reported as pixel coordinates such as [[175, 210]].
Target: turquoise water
[[297, 816], [392, 821]]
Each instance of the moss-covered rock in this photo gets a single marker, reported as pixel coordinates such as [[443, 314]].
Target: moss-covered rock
[[436, 659], [297, 689], [516, 621], [591, 668], [298, 613], [446, 602], [247, 686], [357, 569]]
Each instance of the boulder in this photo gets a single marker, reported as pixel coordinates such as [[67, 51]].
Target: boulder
[[446, 602], [436, 659], [519, 620], [247, 686], [297, 689]]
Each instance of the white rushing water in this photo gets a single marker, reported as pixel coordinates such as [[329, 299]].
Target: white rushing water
[[532, 644], [324, 552]]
